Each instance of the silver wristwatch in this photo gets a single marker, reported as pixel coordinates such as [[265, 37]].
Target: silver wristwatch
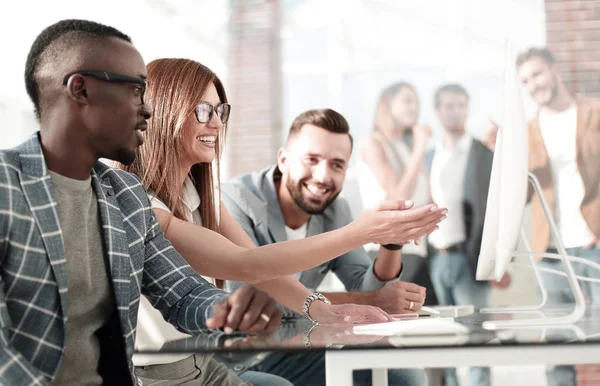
[[309, 300]]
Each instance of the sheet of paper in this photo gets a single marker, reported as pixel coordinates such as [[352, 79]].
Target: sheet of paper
[[414, 327]]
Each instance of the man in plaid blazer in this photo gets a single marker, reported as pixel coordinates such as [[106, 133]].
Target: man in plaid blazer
[[82, 119]]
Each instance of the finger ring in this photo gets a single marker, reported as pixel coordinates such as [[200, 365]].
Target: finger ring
[[265, 317], [410, 305]]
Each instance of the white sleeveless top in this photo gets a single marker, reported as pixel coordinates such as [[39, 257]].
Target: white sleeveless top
[[152, 330], [398, 156]]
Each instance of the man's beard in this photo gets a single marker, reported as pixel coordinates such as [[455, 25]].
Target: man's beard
[[295, 190]]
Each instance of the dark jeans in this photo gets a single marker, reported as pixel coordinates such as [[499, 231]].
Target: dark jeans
[[455, 284], [309, 370]]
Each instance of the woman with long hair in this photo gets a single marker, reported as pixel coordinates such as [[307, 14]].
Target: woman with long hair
[[179, 165], [392, 166]]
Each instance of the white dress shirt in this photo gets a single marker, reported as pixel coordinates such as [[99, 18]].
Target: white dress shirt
[[447, 180], [559, 132], [152, 330], [297, 234]]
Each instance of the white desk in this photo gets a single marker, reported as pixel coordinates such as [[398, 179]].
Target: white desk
[[340, 364], [569, 345]]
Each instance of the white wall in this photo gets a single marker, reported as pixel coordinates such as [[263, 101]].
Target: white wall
[[342, 53], [158, 28]]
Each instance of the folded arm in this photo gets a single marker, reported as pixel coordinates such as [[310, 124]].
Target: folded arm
[[395, 186]]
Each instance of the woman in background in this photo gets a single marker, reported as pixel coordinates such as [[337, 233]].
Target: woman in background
[[391, 166]]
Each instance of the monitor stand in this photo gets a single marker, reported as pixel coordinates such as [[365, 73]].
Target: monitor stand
[[580, 306], [538, 280]]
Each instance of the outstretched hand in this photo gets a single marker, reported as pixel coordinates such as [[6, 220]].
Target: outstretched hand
[[398, 222]]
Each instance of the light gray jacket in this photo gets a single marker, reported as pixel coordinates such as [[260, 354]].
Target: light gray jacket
[[253, 203]]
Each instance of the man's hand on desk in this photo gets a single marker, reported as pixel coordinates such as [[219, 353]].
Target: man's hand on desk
[[399, 297], [246, 309], [347, 313]]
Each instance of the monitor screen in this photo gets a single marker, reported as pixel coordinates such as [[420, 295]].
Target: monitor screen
[[508, 182]]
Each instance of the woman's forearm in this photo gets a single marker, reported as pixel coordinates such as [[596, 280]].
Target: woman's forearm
[[211, 254]]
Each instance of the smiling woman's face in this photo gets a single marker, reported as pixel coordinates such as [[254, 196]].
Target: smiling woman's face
[[200, 138]]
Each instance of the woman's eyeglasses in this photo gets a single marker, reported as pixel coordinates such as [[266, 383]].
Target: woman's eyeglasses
[[204, 112]]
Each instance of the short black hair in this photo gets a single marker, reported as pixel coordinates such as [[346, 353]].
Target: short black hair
[[453, 88], [81, 30], [533, 52]]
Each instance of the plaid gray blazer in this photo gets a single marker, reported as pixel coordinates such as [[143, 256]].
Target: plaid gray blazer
[[33, 287]]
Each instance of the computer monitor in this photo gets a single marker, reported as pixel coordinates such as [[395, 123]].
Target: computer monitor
[[508, 183], [505, 206]]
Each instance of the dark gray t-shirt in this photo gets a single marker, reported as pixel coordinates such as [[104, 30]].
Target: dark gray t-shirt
[[90, 299]]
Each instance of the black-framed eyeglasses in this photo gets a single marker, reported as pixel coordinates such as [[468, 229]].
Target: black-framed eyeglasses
[[204, 112], [112, 77]]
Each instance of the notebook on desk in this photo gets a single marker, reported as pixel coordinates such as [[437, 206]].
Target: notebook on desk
[[445, 311], [428, 311], [414, 327]]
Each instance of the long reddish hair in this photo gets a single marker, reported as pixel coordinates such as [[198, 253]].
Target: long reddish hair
[[175, 86]]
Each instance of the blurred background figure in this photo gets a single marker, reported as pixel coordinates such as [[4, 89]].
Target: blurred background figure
[[564, 144], [391, 166], [564, 151], [460, 169]]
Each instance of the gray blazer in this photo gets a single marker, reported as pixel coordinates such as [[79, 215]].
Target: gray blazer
[[253, 203], [476, 186], [33, 274]]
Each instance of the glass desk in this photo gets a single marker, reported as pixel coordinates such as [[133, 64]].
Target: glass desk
[[347, 350]]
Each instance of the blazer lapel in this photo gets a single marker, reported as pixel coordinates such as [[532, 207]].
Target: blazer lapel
[[38, 191], [315, 226], [276, 223], [472, 175], [116, 246], [476, 183]]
